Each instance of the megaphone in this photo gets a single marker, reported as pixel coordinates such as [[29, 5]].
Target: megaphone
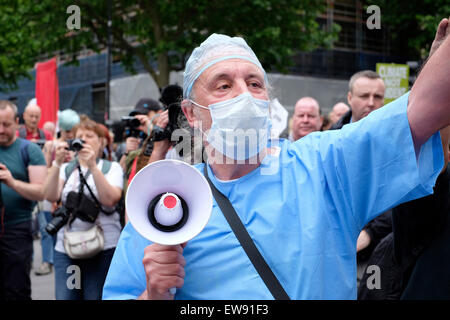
[[168, 202]]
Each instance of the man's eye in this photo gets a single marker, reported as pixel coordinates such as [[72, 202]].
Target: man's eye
[[256, 84], [223, 86]]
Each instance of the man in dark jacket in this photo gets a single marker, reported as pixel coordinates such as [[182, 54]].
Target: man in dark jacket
[[413, 261], [365, 94]]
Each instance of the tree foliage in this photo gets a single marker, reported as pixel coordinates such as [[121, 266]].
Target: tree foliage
[[160, 34], [412, 24]]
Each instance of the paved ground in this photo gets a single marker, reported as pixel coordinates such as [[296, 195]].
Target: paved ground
[[42, 287]]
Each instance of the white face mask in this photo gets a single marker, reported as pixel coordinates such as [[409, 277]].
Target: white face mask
[[240, 126]]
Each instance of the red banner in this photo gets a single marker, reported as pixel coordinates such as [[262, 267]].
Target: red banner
[[47, 91]]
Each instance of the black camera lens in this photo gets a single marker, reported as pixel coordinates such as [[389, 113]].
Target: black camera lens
[[130, 126], [75, 144], [54, 225], [60, 219], [131, 122]]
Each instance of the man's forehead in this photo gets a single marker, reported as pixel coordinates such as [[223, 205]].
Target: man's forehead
[[306, 105], [340, 107], [32, 109], [231, 68], [307, 109], [7, 114], [365, 83]]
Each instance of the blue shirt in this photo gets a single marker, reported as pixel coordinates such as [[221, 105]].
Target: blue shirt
[[304, 207]]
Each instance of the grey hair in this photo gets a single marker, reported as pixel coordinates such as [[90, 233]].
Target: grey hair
[[362, 74], [5, 104]]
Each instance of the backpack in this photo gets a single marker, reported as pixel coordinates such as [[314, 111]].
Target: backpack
[[23, 133], [24, 152]]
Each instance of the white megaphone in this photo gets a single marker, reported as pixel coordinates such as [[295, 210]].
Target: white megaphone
[[168, 202]]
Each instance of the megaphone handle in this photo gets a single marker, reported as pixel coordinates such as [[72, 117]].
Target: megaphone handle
[[173, 291]]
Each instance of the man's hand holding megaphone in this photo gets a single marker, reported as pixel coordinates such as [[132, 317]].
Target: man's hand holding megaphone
[[168, 202], [164, 270]]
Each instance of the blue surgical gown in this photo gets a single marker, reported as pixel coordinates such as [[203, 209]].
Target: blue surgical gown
[[303, 207]]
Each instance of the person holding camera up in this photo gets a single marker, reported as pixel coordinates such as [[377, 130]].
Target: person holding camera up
[[22, 174], [138, 125], [87, 225], [67, 120]]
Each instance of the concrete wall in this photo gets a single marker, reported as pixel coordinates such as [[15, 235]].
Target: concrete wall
[[288, 89], [126, 91]]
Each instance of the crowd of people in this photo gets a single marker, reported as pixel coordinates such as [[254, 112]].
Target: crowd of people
[[44, 170], [364, 185]]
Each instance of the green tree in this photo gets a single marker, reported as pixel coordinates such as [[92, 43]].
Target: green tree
[[412, 24], [160, 34]]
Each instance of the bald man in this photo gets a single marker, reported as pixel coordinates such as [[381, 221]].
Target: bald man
[[31, 131], [306, 119], [338, 110], [49, 126]]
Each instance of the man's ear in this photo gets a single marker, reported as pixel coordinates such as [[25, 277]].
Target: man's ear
[[349, 98], [188, 111]]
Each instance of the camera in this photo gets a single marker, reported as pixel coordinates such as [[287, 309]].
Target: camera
[[130, 126], [61, 215], [75, 144], [170, 97]]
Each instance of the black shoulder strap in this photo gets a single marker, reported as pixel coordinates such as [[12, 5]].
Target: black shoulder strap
[[264, 271], [22, 132], [83, 182], [41, 134], [24, 152]]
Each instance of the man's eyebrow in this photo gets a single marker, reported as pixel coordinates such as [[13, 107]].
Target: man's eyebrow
[[227, 75], [223, 75], [255, 75]]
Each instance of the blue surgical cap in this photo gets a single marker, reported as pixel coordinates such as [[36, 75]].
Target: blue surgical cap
[[216, 48], [67, 119]]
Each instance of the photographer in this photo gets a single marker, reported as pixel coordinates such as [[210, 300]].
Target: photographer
[[93, 192], [146, 111], [67, 120], [161, 125]]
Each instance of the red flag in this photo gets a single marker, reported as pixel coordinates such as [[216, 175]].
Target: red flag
[[47, 92]]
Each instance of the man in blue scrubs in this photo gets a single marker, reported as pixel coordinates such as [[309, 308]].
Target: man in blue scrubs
[[303, 203]]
